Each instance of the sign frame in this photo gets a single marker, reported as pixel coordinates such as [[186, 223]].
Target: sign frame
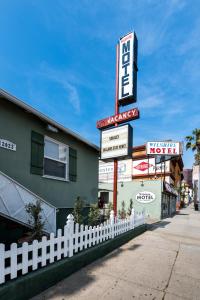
[[169, 153], [130, 144], [127, 69], [142, 201], [5, 144], [120, 118]]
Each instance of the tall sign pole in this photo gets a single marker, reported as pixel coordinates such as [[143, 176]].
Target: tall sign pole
[[116, 143], [115, 177]]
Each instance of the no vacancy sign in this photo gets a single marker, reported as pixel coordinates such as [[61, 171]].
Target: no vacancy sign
[[116, 142]]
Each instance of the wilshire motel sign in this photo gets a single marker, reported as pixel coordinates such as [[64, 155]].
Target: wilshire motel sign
[[116, 141]]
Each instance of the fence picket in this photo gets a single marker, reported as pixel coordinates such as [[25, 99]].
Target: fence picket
[[81, 237], [97, 239], [35, 255], [70, 225], [44, 251], [24, 258], [13, 260], [59, 241], [2, 263], [94, 235], [66, 249], [51, 243], [90, 236], [86, 237], [76, 237], [101, 233]]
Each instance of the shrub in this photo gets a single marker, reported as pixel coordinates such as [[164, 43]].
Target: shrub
[[34, 211], [122, 212], [94, 215], [130, 207], [78, 210]]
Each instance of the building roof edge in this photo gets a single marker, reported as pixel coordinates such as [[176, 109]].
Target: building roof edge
[[44, 118]]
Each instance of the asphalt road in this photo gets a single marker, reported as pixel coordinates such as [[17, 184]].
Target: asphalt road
[[162, 263]]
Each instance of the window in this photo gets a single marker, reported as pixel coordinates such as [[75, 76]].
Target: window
[[56, 157]]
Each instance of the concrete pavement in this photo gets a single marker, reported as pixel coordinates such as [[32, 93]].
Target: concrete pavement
[[162, 263]]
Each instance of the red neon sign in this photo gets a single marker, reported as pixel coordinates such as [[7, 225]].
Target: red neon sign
[[123, 117]]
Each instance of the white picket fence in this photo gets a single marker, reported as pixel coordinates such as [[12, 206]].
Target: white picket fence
[[29, 257]]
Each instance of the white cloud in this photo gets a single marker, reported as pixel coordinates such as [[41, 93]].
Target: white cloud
[[151, 102], [62, 78]]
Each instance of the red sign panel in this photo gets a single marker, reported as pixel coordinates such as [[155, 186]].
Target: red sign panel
[[123, 117], [143, 166]]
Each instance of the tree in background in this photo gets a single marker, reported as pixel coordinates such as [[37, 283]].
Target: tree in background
[[34, 210], [78, 210], [94, 215], [193, 143]]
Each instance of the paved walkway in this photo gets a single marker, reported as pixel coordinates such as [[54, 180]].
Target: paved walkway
[[162, 263]]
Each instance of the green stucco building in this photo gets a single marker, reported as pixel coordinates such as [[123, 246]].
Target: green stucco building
[[147, 195], [45, 158]]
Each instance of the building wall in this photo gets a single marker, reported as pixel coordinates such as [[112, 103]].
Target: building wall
[[16, 126], [129, 190], [196, 183], [173, 168]]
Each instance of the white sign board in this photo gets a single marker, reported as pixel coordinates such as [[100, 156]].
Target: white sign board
[[7, 145], [148, 166], [106, 171], [127, 70], [145, 197], [116, 142], [163, 148]]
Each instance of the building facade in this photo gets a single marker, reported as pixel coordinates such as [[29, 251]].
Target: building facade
[[196, 185], [150, 184], [45, 159]]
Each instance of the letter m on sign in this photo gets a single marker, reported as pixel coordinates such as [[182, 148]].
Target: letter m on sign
[[126, 47], [152, 150]]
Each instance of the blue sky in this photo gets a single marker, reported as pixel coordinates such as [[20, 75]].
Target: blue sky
[[59, 57]]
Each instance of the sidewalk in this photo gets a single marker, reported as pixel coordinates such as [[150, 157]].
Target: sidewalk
[[162, 263]]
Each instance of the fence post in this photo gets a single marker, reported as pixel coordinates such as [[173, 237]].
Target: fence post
[[112, 224], [70, 226], [132, 218]]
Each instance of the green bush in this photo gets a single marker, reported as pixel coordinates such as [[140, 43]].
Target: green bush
[[130, 207], [34, 211], [94, 215], [78, 210], [122, 212]]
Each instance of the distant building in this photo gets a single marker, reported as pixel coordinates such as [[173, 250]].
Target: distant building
[[146, 167], [145, 182], [196, 185]]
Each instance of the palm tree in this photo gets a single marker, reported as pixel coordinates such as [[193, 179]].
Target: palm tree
[[193, 143]]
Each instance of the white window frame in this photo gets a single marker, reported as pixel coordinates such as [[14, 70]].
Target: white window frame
[[61, 161]]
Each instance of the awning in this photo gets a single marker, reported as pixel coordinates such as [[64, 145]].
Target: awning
[[168, 188]]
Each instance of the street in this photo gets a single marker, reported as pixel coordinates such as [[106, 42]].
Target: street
[[162, 263]]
